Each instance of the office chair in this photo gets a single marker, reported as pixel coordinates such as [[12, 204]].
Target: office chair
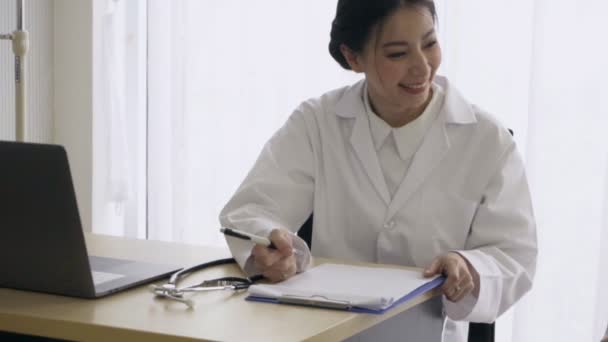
[[478, 332]]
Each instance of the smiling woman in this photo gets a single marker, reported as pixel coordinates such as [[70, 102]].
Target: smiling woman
[[399, 168]]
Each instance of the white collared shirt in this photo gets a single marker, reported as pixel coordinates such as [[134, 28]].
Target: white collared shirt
[[396, 147]]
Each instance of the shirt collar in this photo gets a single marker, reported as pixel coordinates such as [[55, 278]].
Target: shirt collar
[[407, 138], [378, 127], [456, 109]]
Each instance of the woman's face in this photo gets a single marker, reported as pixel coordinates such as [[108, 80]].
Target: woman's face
[[400, 60]]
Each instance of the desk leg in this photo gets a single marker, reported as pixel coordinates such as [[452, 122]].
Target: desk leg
[[422, 323]]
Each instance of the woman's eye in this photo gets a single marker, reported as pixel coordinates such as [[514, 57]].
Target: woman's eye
[[431, 44], [396, 54]]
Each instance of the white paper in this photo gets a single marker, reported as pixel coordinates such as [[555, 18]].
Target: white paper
[[367, 287]]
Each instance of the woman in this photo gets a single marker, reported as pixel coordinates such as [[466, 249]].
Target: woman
[[398, 169]]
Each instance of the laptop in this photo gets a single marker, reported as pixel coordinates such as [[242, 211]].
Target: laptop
[[42, 245]]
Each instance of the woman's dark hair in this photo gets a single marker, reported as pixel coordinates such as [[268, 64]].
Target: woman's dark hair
[[355, 19]]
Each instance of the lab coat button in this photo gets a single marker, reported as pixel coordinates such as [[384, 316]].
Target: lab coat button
[[389, 224]]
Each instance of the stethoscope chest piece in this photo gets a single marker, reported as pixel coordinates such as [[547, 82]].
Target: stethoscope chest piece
[[170, 290]]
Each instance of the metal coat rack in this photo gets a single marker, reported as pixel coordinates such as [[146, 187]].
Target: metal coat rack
[[20, 40]]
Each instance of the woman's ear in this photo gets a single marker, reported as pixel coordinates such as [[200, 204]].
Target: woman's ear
[[352, 58]]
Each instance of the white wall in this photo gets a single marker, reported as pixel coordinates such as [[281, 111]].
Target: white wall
[[73, 94]]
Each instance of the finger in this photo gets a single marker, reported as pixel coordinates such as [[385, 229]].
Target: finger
[[453, 280], [287, 265], [434, 268], [274, 275], [264, 257], [290, 265], [452, 268], [449, 291], [282, 241], [461, 288], [463, 280], [282, 270], [452, 294], [464, 291], [452, 291]]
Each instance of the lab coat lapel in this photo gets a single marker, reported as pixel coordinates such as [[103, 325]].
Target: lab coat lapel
[[361, 140], [434, 147], [351, 107], [455, 110]]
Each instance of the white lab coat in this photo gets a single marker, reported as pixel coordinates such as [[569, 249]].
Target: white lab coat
[[466, 190]]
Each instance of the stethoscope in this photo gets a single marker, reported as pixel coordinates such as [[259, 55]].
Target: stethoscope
[[170, 290]]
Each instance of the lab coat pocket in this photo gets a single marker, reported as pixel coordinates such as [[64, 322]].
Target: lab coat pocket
[[447, 218]]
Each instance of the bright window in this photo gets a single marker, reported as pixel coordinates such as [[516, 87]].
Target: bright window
[[186, 115]]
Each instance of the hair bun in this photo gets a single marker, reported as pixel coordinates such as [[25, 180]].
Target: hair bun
[[355, 20], [336, 40]]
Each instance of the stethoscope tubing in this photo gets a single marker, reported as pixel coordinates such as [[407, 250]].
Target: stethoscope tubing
[[171, 291]]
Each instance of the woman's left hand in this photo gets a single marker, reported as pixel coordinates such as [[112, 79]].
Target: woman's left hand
[[461, 280]]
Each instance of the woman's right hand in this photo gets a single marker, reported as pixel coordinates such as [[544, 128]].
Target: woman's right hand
[[276, 264]]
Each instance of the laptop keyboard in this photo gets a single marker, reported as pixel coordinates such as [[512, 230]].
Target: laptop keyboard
[[104, 277], [104, 269], [102, 264]]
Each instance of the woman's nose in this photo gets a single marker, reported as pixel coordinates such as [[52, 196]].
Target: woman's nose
[[419, 66]]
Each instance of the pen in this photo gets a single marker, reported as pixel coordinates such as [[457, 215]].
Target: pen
[[260, 240]]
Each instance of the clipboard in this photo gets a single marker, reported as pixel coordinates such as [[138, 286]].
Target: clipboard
[[345, 287]]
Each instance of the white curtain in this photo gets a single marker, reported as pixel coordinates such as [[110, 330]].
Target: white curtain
[[119, 120], [224, 75], [568, 170], [541, 67]]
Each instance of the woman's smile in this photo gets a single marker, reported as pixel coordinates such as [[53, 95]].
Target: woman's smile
[[414, 88]]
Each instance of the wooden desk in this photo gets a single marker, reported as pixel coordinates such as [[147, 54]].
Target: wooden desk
[[135, 315]]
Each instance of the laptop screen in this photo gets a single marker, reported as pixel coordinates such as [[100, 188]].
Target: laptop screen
[[42, 242]]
